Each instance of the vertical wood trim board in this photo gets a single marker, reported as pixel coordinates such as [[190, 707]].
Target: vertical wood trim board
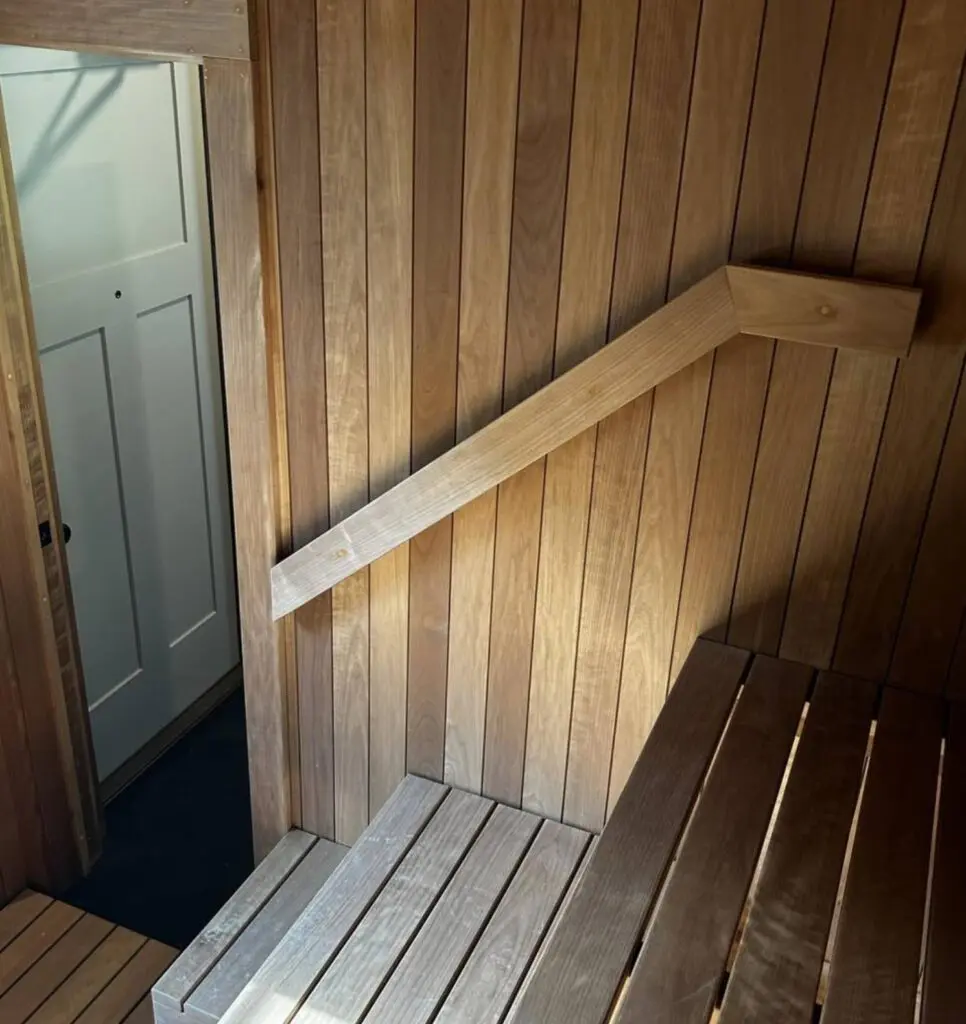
[[390, 31], [296, 167], [234, 199], [441, 42], [498, 187], [492, 85], [545, 110], [342, 153]]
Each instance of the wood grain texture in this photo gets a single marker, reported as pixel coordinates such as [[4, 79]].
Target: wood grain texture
[[234, 203], [909, 149], [198, 960], [863, 317], [13, 866], [678, 971], [295, 102], [913, 437], [956, 683], [20, 364], [851, 94], [779, 962], [18, 914], [302, 956], [440, 97], [342, 141], [424, 974], [720, 106], [54, 967], [91, 978], [598, 134], [544, 118], [786, 84], [369, 957], [492, 85], [390, 30], [666, 342], [583, 964], [484, 988], [125, 993], [937, 598], [666, 39], [207, 28], [39, 692], [875, 962], [943, 992], [236, 965], [19, 955], [611, 535]]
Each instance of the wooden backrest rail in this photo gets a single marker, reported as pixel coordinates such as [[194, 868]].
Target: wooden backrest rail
[[732, 300]]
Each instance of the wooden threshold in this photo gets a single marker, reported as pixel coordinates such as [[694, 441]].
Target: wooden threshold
[[733, 300]]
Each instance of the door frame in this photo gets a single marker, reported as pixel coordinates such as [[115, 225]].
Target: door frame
[[222, 36]]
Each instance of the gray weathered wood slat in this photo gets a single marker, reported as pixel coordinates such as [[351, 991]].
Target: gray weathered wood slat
[[875, 962], [779, 963], [420, 982], [19, 913], [555, 924], [189, 970], [503, 954], [944, 988], [282, 983], [583, 965], [678, 973], [349, 986], [243, 958]]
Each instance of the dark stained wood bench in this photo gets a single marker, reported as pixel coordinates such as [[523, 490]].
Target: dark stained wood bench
[[455, 910]]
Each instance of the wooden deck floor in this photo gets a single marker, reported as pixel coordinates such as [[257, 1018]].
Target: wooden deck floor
[[59, 965]]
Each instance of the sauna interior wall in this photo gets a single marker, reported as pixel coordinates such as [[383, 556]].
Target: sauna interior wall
[[473, 195]]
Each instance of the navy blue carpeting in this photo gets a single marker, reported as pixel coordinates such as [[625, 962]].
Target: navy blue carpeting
[[178, 840]]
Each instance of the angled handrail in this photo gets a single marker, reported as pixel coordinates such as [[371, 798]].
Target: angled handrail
[[732, 300]]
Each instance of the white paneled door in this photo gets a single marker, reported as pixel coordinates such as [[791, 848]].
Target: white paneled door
[[109, 165]]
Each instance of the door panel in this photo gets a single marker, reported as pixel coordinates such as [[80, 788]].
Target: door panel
[[133, 200], [109, 163], [177, 488], [83, 435]]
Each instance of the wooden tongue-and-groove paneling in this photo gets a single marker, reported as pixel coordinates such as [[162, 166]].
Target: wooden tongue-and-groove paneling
[[473, 195]]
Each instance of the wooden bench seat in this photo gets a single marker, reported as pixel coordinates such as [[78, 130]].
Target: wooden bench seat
[[709, 895]]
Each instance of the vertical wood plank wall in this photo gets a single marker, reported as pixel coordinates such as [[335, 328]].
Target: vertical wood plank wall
[[473, 195]]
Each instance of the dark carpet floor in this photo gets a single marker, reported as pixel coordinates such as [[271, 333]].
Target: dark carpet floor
[[178, 840]]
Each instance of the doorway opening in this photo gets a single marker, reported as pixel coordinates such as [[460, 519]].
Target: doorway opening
[[109, 164]]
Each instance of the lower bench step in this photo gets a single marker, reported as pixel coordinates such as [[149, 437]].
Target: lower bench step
[[437, 913], [205, 980]]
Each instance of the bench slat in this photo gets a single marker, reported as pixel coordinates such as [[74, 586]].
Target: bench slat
[[678, 974], [243, 958], [779, 963], [583, 965], [425, 973], [190, 969], [507, 946], [944, 992], [349, 986], [282, 983], [875, 962]]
